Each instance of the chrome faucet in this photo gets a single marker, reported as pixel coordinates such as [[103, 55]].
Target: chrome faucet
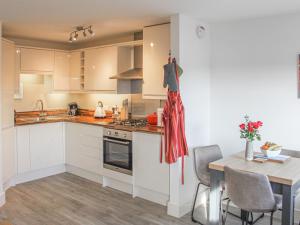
[[42, 114]]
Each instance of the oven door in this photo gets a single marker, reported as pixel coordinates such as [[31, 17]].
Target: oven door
[[117, 155]]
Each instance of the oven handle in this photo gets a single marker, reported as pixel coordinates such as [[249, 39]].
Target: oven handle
[[116, 141]]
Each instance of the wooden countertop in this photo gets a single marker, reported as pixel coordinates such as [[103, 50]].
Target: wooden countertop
[[105, 122], [287, 173]]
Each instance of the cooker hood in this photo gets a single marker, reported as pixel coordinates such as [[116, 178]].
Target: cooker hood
[[132, 74]]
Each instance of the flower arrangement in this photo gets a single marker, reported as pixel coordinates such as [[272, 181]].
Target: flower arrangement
[[250, 130]]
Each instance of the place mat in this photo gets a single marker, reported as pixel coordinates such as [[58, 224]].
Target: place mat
[[277, 159]]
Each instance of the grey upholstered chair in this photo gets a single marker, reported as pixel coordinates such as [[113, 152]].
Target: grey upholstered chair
[[203, 156], [250, 192], [295, 154]]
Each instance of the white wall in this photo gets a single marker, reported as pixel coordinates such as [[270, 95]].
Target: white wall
[[254, 72], [193, 55]]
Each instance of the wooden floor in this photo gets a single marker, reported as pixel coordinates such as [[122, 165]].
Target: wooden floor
[[67, 199]]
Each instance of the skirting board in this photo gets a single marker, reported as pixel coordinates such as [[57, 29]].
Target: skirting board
[[150, 195], [179, 210], [118, 185], [38, 174], [2, 198], [85, 174]]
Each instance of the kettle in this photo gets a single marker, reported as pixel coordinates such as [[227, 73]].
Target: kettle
[[99, 112]]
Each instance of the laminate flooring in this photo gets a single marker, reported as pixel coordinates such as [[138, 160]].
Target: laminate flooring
[[67, 199]]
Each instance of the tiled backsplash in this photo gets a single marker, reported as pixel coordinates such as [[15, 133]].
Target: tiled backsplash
[[37, 87]]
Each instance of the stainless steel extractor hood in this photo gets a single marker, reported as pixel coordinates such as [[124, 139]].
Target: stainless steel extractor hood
[[132, 74]]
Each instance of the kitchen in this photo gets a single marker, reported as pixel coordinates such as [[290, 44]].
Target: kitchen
[[83, 88], [104, 145]]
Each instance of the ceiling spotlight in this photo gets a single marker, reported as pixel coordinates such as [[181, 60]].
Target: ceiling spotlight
[[75, 34], [91, 31]]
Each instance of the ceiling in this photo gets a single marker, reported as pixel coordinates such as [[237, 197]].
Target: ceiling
[[53, 20]]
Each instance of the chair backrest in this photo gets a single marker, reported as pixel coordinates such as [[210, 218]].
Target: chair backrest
[[249, 191], [292, 153], [203, 156]]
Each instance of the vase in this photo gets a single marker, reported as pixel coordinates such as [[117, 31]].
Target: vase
[[249, 151]]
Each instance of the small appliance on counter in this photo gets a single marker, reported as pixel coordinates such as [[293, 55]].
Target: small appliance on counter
[[73, 109], [124, 115], [152, 119], [99, 112]]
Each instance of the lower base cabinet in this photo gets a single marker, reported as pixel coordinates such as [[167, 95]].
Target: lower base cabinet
[[39, 146], [84, 147], [150, 176]]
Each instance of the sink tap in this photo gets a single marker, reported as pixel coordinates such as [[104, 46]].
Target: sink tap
[[42, 114]]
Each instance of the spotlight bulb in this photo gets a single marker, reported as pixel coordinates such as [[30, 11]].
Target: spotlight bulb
[[91, 31]]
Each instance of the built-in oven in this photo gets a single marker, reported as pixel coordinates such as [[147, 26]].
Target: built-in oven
[[117, 150]]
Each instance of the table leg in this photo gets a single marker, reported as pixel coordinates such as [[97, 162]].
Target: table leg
[[215, 195], [287, 205]]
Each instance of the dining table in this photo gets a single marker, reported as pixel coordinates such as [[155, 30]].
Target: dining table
[[284, 178]]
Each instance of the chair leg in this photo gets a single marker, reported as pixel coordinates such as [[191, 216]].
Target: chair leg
[[224, 217], [271, 218], [193, 218]]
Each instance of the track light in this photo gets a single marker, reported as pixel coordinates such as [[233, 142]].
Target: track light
[[74, 34], [91, 32]]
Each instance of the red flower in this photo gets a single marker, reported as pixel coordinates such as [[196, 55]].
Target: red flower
[[259, 123], [255, 125], [250, 127], [242, 126]]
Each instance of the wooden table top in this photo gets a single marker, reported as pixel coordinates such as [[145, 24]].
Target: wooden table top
[[287, 173]]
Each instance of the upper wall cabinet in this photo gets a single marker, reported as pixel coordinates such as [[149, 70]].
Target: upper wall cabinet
[[155, 54], [34, 60], [75, 70], [100, 64], [8, 82], [61, 78]]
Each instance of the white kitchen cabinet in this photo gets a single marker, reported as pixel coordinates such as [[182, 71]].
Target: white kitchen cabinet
[[100, 64], [84, 147], [46, 145], [8, 83], [37, 61], [8, 89], [9, 154], [155, 55], [40, 146], [151, 178], [61, 77], [23, 149], [75, 70]]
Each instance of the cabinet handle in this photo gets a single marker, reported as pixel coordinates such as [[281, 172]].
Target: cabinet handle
[[115, 141]]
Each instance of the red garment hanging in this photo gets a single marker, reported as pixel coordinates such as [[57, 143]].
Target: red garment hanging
[[175, 145]]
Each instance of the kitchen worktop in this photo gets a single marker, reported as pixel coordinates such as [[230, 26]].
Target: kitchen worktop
[[29, 118]]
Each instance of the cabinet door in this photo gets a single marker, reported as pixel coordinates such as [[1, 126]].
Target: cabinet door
[[100, 64], [8, 83], [155, 55], [8, 153], [84, 147], [148, 172], [61, 78], [46, 145], [37, 60], [23, 149], [75, 67]]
